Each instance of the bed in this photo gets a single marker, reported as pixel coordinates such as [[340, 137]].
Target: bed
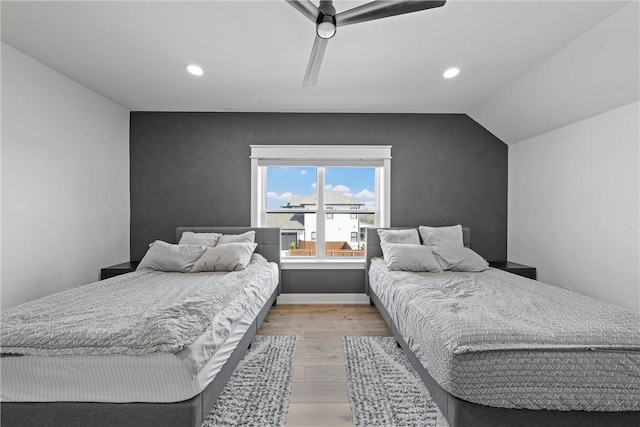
[[584, 373], [164, 382]]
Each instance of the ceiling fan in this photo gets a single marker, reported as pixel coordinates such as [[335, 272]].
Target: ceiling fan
[[326, 20]]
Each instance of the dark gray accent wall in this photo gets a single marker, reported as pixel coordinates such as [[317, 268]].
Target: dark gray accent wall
[[323, 281], [194, 169]]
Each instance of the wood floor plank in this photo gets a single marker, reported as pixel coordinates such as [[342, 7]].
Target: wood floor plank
[[320, 359], [319, 393], [320, 346], [319, 414], [325, 374], [299, 374]]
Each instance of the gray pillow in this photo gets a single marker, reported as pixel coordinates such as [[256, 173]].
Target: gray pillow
[[459, 259], [442, 236], [163, 256], [408, 257], [407, 237], [210, 240], [226, 257], [248, 237]]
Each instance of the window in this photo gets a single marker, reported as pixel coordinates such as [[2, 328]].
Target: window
[[329, 215], [321, 197]]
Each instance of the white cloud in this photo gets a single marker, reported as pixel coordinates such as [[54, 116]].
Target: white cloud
[[347, 194], [341, 188], [303, 172], [314, 185], [328, 186], [365, 194], [283, 196]]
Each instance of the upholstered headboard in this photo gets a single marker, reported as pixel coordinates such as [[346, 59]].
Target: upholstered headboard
[[374, 249], [267, 238]]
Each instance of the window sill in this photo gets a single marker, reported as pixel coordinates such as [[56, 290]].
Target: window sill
[[322, 264]]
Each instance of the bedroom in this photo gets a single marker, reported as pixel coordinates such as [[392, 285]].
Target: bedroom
[[540, 160]]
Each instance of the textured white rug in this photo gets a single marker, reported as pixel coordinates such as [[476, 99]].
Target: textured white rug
[[257, 393], [384, 388]]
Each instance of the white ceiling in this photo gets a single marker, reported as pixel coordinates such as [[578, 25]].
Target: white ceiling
[[255, 53]]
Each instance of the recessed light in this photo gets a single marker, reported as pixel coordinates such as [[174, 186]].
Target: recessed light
[[195, 70], [451, 72]]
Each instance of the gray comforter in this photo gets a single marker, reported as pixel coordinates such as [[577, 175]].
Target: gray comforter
[[133, 314], [499, 339]]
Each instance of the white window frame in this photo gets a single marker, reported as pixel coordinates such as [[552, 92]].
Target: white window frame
[[321, 156]]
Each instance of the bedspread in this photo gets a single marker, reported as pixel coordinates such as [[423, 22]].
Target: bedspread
[[134, 314], [499, 339]]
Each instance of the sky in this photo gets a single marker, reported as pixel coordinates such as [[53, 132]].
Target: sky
[[284, 182]]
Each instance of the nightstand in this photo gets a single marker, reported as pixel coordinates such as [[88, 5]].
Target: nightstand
[[118, 269], [515, 268]]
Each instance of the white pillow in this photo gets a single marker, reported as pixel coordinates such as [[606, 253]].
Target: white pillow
[[210, 240], [408, 257], [459, 259], [407, 237], [248, 237], [226, 257], [163, 256], [442, 236]]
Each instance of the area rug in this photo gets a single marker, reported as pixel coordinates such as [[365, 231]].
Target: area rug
[[257, 393], [384, 388]]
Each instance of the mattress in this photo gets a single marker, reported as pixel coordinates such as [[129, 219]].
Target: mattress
[[159, 377], [502, 340]]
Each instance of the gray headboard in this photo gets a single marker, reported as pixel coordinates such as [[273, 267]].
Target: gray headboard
[[374, 249], [267, 238]]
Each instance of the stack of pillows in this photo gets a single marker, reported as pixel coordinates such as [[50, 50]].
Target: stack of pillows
[[441, 248], [198, 252]]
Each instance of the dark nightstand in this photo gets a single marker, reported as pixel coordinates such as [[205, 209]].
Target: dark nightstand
[[118, 269], [515, 268]]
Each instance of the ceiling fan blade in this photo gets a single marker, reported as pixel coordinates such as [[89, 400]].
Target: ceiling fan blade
[[315, 61], [383, 9], [306, 8]]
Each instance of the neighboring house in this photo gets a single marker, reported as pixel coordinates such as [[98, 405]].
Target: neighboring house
[[291, 228], [299, 229]]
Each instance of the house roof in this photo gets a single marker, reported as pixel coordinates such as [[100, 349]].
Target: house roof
[[330, 198], [286, 221]]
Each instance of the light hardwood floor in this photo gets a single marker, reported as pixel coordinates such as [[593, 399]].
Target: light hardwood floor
[[319, 395]]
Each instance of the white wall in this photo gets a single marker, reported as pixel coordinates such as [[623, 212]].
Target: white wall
[[573, 206], [65, 181]]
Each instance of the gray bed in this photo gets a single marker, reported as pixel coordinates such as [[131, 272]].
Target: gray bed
[[460, 412], [191, 412]]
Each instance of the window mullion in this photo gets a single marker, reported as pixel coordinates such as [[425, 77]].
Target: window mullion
[[320, 215]]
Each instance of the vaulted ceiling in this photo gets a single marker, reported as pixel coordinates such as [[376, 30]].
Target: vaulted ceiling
[[527, 67]]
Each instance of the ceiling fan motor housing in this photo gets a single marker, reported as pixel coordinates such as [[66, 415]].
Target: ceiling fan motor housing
[[326, 22]]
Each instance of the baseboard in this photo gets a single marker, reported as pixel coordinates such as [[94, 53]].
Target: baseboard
[[323, 299]]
